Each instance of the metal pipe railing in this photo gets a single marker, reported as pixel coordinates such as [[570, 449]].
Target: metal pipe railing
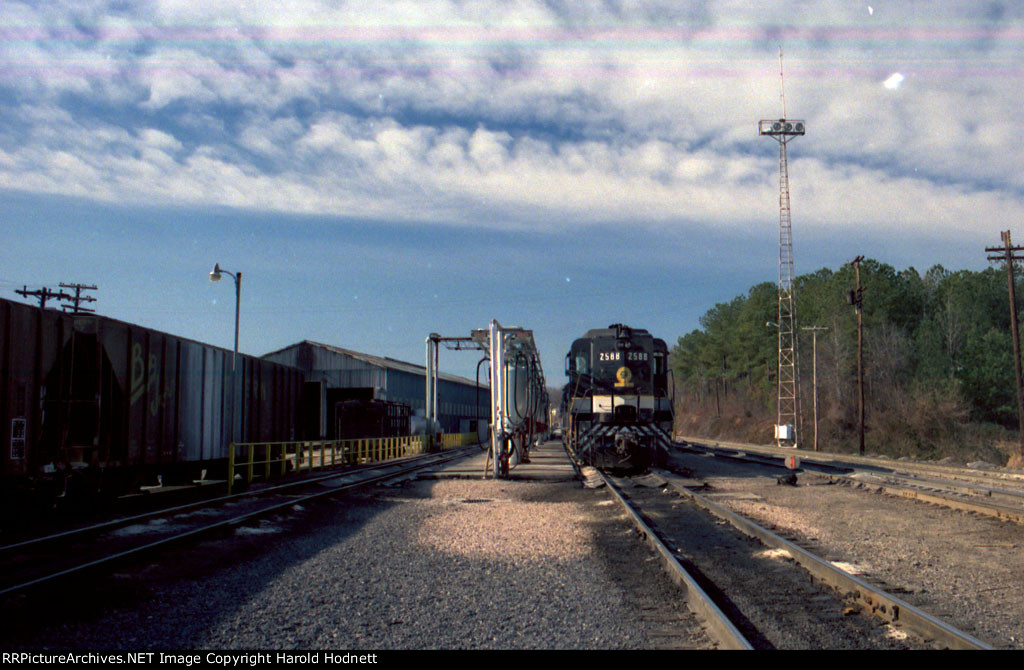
[[276, 457]]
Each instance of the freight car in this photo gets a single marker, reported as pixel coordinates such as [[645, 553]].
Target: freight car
[[92, 407], [359, 419], [616, 411]]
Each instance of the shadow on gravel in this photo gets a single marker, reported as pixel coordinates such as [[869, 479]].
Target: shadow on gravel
[[170, 600]]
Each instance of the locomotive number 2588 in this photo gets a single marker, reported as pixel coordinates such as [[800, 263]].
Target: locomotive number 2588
[[617, 356]]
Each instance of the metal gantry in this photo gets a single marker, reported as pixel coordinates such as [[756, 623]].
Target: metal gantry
[[518, 394], [434, 341], [783, 131]]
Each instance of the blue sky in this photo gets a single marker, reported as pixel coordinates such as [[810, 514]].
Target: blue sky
[[382, 170]]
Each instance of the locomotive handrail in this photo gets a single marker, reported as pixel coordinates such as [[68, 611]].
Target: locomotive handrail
[[276, 457]]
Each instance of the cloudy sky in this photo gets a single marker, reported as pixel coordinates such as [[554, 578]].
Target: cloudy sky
[[382, 170]]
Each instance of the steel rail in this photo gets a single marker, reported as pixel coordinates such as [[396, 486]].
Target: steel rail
[[430, 460], [207, 502], [880, 603], [852, 460], [721, 629], [993, 509], [912, 490]]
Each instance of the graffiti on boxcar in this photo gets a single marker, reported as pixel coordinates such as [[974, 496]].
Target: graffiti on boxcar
[[140, 385]]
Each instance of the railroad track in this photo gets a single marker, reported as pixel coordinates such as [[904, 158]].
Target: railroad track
[[995, 494], [993, 477], [750, 585], [48, 560]]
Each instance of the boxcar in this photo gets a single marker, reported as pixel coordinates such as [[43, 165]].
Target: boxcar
[[92, 404]]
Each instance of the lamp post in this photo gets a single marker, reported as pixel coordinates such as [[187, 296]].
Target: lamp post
[[237, 276]]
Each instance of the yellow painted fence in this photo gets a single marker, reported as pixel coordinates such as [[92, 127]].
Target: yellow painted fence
[[250, 460]]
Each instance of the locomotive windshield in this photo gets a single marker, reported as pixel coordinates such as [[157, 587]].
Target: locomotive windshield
[[625, 366], [582, 363]]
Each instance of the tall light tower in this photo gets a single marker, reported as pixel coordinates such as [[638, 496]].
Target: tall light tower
[[783, 131]]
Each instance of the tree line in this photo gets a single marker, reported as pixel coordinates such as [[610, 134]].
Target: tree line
[[938, 360]]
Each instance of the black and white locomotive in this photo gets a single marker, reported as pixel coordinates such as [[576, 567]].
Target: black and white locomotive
[[616, 409]]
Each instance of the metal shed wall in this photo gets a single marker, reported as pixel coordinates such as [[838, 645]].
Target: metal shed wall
[[397, 381]]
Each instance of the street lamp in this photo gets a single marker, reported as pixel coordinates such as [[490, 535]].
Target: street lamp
[[237, 276]]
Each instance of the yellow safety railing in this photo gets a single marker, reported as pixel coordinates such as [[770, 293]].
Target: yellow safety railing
[[452, 440], [270, 459], [274, 459]]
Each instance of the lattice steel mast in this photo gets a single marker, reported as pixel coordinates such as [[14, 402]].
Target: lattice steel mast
[[783, 131]]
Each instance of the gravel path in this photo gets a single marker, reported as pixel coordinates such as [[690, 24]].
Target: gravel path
[[961, 567], [448, 564]]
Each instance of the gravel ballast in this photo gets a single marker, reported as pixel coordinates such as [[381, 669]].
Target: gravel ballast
[[961, 567], [450, 564]]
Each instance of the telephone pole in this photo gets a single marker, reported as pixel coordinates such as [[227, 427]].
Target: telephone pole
[[814, 331], [43, 294], [1009, 254], [856, 298], [78, 297]]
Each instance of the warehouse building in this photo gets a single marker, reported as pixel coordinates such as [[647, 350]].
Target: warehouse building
[[334, 375]]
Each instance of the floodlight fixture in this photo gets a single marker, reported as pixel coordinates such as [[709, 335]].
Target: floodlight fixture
[[781, 127]]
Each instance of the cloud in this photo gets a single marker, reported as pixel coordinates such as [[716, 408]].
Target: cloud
[[516, 113]]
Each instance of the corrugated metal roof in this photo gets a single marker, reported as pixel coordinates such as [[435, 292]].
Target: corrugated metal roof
[[380, 361]]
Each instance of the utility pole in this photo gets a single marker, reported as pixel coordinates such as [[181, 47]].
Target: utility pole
[[1008, 254], [856, 298], [43, 294], [78, 298], [814, 331]]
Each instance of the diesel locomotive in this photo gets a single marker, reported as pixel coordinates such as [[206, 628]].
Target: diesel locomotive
[[616, 410]]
